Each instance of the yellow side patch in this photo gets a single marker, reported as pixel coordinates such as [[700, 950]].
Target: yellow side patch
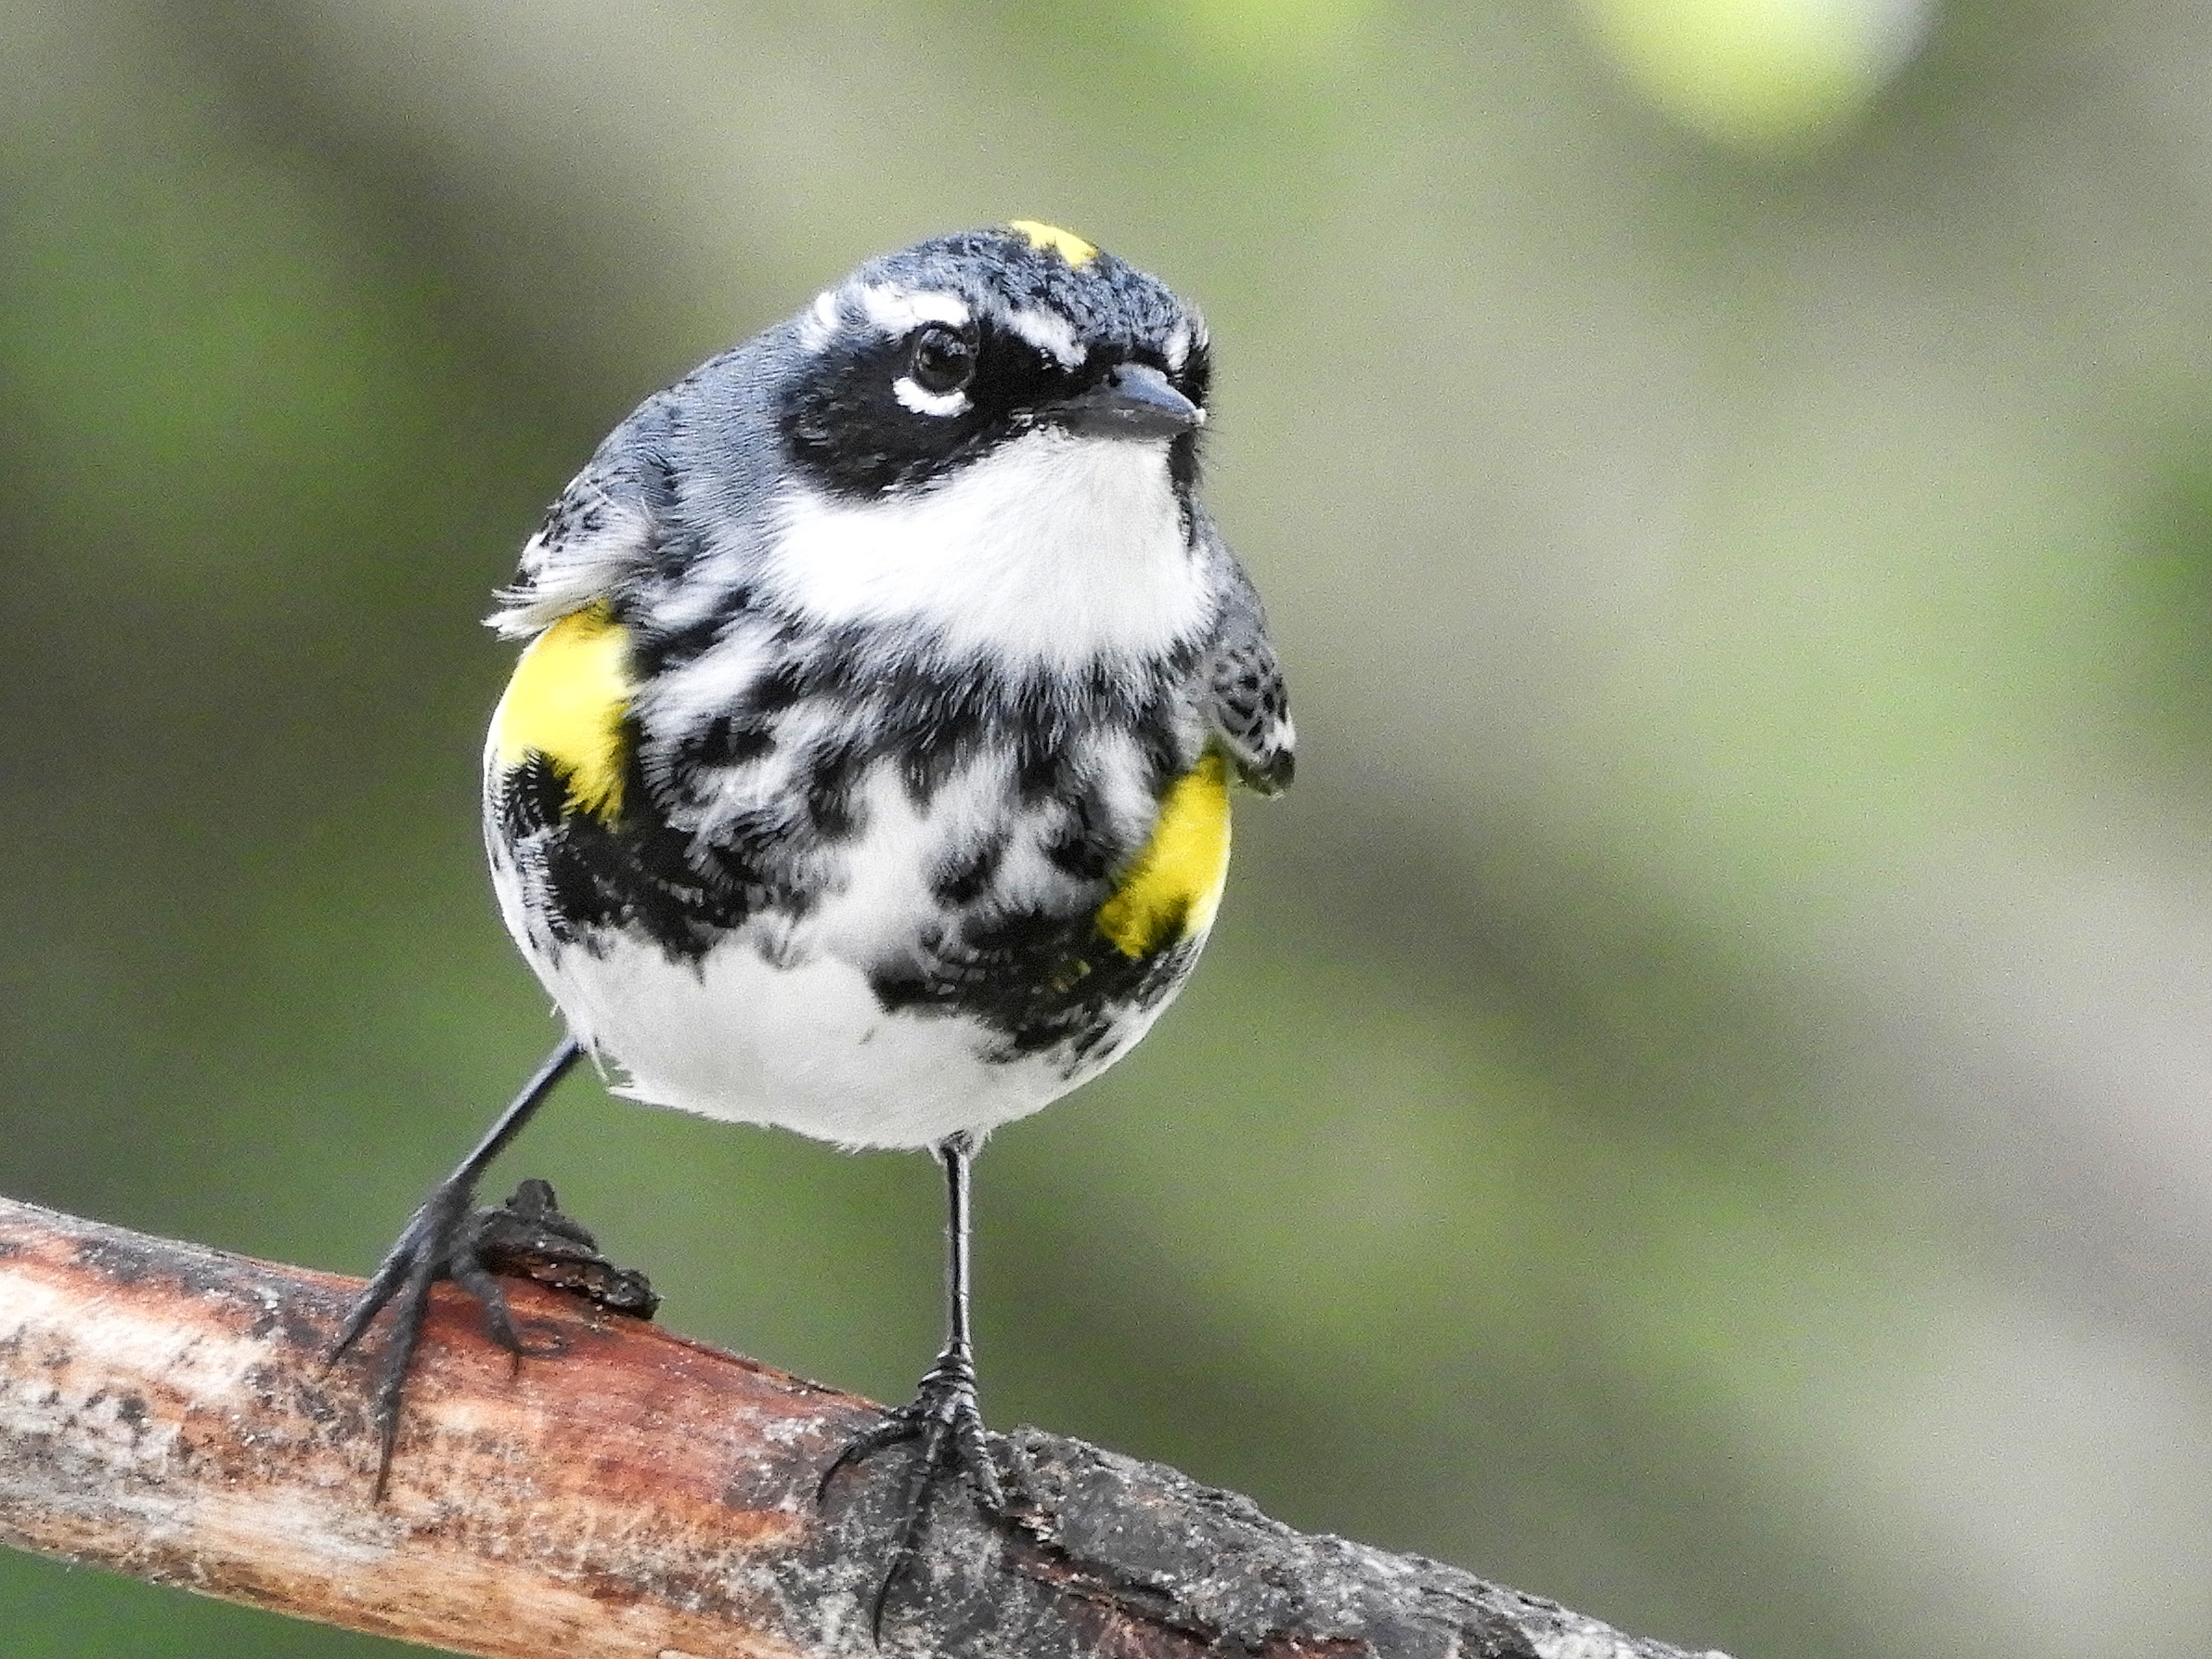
[[567, 702], [1176, 884], [1065, 243]]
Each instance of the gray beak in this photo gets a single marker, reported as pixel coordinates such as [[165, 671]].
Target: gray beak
[[1134, 401]]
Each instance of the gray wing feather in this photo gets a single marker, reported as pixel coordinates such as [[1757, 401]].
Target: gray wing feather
[[1243, 692], [608, 537], [595, 539]]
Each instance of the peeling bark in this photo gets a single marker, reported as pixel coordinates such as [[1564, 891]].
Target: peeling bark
[[165, 1411]]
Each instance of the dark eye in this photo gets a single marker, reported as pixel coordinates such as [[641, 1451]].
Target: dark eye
[[943, 360]]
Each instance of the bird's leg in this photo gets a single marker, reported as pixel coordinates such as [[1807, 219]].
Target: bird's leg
[[448, 1238], [943, 1415]]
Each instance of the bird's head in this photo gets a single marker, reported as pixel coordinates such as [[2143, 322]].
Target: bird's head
[[927, 360]]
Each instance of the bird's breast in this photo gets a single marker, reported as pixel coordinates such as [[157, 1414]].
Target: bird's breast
[[1042, 867]]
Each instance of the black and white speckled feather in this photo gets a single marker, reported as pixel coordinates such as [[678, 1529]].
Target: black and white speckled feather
[[905, 679]]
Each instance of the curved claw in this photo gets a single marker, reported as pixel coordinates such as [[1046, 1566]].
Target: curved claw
[[944, 1417], [439, 1242], [446, 1238]]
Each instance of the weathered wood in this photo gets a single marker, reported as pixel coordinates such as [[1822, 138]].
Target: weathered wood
[[165, 1411]]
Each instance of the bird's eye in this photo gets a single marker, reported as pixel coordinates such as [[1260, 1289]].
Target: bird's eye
[[943, 360]]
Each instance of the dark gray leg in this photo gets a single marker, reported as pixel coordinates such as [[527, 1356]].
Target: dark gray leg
[[441, 1241], [943, 1415]]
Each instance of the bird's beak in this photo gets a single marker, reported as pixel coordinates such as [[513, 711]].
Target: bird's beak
[[1134, 401]]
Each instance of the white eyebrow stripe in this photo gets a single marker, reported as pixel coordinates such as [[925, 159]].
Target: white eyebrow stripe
[[1050, 334], [1179, 348], [902, 310], [818, 324]]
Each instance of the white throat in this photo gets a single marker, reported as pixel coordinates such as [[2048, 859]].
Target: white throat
[[1051, 549]]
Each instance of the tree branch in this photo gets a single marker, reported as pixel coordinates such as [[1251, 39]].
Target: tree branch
[[165, 1411]]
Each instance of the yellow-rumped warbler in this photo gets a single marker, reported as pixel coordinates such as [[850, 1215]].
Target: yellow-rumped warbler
[[866, 771]]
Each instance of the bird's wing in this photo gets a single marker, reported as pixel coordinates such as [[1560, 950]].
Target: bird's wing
[[599, 536], [1243, 694]]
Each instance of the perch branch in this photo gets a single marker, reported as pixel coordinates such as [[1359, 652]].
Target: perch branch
[[166, 1411]]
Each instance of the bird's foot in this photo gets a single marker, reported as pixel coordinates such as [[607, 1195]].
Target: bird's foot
[[449, 1239], [529, 1238], [944, 1417]]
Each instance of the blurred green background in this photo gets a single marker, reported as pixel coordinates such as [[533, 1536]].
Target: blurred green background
[[1697, 1103]]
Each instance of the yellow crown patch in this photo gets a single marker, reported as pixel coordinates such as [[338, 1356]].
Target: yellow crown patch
[[1065, 243]]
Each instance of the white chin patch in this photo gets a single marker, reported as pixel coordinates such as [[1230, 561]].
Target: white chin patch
[[1051, 550], [911, 397]]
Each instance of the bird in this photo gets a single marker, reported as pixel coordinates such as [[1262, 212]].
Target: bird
[[865, 767]]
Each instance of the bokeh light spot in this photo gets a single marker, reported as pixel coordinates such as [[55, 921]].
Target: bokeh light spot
[[1761, 74]]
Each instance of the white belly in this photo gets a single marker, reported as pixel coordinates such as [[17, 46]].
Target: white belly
[[804, 1048]]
